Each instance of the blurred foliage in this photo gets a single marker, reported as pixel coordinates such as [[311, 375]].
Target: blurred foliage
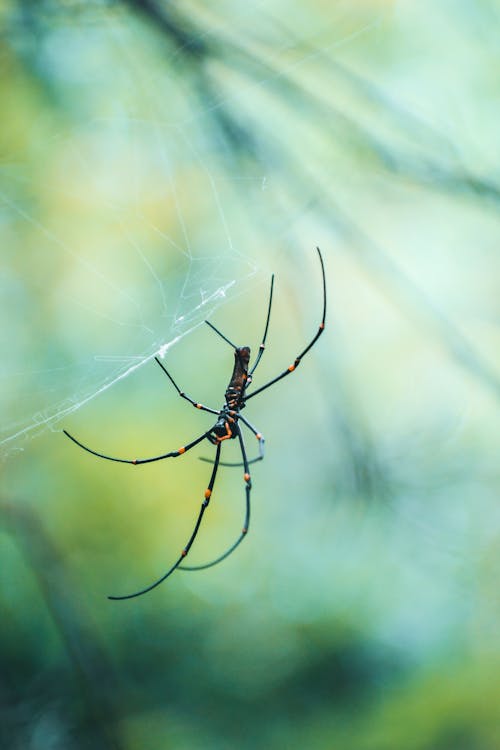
[[158, 161]]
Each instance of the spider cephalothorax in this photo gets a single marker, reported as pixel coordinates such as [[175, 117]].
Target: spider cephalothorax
[[226, 427]]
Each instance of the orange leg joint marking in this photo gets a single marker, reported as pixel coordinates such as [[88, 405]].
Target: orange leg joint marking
[[321, 326], [258, 436], [184, 553], [246, 477], [199, 406], [291, 368], [208, 493], [134, 462], [181, 450]]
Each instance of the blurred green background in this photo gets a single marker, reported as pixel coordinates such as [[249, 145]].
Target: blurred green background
[[158, 161]]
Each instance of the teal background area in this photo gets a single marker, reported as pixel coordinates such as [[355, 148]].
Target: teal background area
[[158, 162]]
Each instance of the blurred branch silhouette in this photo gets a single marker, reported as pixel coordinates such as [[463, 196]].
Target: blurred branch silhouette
[[91, 674]]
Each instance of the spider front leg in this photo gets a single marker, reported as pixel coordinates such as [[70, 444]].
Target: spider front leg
[[171, 454], [137, 461], [185, 551], [246, 523], [298, 358], [264, 337], [184, 395]]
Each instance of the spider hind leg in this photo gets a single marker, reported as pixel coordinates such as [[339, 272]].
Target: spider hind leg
[[246, 523], [185, 550]]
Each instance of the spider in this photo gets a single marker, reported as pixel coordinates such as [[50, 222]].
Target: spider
[[226, 427]]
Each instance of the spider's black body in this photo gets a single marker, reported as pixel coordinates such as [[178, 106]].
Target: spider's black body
[[222, 429], [226, 427], [235, 393]]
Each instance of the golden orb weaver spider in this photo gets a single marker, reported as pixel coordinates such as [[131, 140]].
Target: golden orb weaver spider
[[225, 428]]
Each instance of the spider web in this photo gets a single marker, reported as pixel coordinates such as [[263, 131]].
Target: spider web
[[119, 237], [126, 217], [176, 283]]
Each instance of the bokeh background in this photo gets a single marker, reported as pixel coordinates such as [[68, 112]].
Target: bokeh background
[[158, 161]]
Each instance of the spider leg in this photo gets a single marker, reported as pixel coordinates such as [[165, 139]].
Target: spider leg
[[246, 523], [184, 395], [204, 506], [137, 461], [220, 334], [263, 343], [259, 437], [298, 358]]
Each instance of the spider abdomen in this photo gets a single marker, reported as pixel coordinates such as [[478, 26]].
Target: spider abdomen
[[238, 382]]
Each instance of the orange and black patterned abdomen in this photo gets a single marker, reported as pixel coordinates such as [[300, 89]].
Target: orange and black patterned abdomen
[[238, 378]]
